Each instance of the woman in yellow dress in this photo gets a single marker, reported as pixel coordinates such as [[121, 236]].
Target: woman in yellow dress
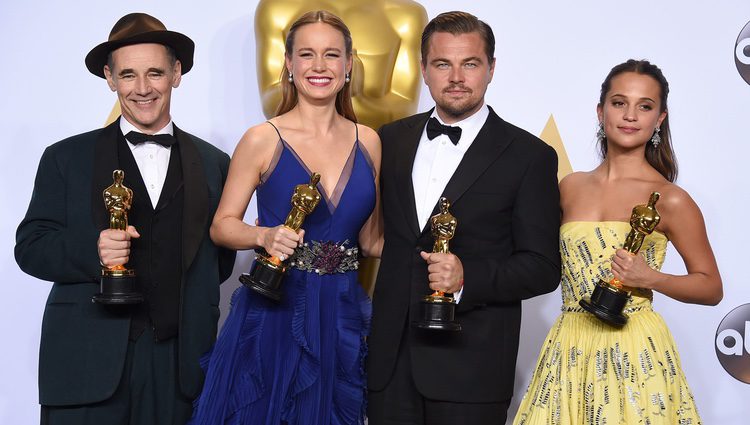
[[589, 372]]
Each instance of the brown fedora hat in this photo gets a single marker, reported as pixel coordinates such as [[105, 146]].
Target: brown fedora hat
[[136, 28]]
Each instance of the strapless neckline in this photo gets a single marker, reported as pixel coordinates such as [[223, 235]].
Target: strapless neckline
[[573, 223]]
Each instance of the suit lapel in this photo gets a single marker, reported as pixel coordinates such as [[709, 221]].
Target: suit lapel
[[488, 145], [195, 208], [407, 151], [105, 162]]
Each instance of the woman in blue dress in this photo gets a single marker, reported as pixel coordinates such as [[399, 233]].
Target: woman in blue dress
[[300, 361]]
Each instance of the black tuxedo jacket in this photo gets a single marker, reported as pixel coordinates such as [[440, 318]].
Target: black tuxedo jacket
[[83, 345], [505, 197]]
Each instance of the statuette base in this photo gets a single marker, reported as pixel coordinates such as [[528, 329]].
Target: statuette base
[[607, 303], [438, 313], [117, 288], [265, 278]]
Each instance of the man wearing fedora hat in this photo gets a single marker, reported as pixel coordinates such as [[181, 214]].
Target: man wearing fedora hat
[[134, 364]]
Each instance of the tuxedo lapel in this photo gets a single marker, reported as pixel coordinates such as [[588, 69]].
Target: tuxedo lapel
[[407, 151], [195, 207], [105, 162], [488, 145]]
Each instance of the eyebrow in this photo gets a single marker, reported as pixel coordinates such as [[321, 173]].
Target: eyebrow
[[132, 71], [469, 59], [643, 98], [328, 49]]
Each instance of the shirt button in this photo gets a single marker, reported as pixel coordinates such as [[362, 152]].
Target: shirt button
[[434, 180], [152, 156], [443, 141], [153, 186]]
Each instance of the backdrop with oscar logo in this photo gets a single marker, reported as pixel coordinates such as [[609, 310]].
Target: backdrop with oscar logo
[[551, 60]]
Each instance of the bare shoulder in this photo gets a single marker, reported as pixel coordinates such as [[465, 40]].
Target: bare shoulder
[[574, 181], [369, 138], [673, 199], [678, 211], [261, 134], [259, 142], [575, 195]]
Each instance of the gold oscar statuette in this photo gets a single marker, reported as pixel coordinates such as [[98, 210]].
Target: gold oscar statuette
[[438, 309], [608, 298], [267, 273], [117, 284]]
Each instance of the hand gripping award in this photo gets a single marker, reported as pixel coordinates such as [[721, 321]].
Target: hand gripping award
[[608, 299], [438, 309], [117, 283], [268, 271]]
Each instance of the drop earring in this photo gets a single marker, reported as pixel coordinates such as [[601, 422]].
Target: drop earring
[[291, 78], [347, 79], [600, 135], [656, 138]]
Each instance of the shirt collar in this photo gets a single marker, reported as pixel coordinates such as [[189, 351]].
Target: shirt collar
[[126, 127], [470, 125]]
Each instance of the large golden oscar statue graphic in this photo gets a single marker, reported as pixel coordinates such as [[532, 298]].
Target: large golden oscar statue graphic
[[609, 298], [386, 77], [438, 310], [268, 271], [117, 283]]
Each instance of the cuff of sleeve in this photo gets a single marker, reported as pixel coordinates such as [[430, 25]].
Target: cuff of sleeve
[[457, 295]]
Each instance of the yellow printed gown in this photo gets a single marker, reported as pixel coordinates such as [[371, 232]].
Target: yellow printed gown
[[590, 373]]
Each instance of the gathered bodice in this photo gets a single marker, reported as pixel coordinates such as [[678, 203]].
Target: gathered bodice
[[587, 247]]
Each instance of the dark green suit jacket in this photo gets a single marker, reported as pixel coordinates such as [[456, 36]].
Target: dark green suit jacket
[[83, 345]]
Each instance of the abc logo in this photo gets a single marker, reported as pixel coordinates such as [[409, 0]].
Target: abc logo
[[742, 53], [733, 343]]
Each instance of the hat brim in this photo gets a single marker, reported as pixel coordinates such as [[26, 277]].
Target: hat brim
[[181, 44]]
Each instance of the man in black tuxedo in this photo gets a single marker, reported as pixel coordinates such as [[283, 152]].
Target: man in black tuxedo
[[502, 185], [128, 364]]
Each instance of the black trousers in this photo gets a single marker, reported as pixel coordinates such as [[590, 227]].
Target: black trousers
[[148, 393], [400, 403]]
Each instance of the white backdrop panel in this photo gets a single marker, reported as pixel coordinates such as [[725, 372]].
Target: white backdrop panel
[[552, 57]]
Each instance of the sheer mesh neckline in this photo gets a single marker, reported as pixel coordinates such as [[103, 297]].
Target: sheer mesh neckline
[[332, 199]]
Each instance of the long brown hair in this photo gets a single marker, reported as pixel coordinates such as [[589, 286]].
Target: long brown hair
[[661, 157], [289, 97]]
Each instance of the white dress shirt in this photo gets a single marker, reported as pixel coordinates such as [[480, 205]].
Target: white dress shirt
[[152, 159], [437, 160]]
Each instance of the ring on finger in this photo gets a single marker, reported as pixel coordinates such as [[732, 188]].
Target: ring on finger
[[282, 257]]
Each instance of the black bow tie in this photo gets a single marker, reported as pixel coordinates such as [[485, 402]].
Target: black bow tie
[[434, 129], [137, 138]]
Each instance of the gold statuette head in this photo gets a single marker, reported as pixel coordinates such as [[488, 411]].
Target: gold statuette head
[[443, 225], [643, 221], [304, 200], [118, 199]]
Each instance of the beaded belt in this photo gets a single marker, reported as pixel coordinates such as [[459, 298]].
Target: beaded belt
[[626, 310], [325, 257]]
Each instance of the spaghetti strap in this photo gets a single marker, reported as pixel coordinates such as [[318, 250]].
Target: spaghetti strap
[[277, 130], [363, 149]]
